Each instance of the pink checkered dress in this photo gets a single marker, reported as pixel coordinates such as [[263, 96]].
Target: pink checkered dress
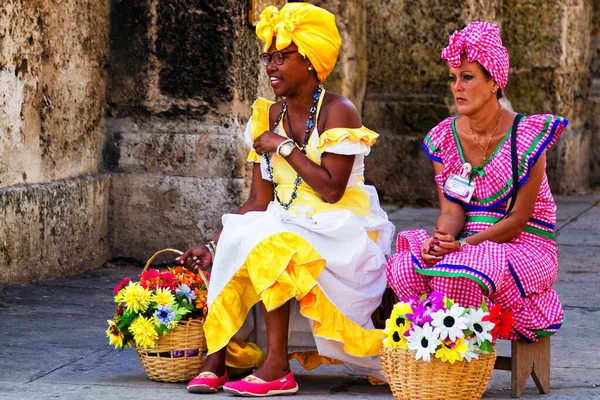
[[518, 274]]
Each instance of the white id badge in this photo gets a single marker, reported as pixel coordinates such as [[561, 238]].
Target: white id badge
[[458, 186]]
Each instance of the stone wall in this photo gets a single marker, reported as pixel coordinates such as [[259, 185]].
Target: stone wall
[[121, 120], [52, 201], [178, 102], [549, 44]]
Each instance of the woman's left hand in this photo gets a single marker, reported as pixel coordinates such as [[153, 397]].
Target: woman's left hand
[[443, 243], [267, 142]]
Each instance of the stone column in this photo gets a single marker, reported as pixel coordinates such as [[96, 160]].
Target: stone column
[[53, 198], [593, 103], [549, 45], [181, 89], [349, 77], [407, 93]]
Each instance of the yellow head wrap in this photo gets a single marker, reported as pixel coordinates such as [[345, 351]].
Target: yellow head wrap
[[311, 28]]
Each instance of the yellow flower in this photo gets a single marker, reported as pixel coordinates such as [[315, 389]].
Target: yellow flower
[[395, 335], [163, 297], [115, 336], [451, 352], [398, 316], [119, 296], [136, 297], [143, 331]]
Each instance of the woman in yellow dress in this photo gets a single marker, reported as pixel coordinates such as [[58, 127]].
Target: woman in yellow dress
[[311, 230]]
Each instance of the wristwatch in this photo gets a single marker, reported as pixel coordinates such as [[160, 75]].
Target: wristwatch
[[286, 148], [462, 243]]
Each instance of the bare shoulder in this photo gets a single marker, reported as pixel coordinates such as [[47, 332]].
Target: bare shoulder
[[338, 112], [274, 111]]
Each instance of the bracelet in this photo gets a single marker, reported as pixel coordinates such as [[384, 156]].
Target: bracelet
[[281, 144], [212, 248]]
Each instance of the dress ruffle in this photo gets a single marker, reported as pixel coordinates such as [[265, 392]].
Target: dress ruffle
[[281, 267], [348, 141], [259, 122]]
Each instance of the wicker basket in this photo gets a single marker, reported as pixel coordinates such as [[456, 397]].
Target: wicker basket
[[435, 380], [169, 361]]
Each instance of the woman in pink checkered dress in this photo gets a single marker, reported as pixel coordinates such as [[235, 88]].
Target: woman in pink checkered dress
[[481, 246]]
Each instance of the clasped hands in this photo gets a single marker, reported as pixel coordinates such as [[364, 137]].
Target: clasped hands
[[267, 142], [436, 247]]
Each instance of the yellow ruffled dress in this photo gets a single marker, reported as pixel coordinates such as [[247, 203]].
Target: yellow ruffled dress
[[330, 258]]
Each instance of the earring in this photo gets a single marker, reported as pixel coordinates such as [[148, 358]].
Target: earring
[[310, 68], [494, 90]]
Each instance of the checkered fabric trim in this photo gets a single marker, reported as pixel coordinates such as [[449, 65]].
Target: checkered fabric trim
[[481, 42]]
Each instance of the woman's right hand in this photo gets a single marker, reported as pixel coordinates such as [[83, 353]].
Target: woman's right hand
[[429, 258], [196, 257]]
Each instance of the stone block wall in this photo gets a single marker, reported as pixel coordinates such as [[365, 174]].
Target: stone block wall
[[53, 201], [549, 45], [179, 101]]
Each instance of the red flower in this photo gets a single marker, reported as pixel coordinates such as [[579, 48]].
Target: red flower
[[121, 285], [503, 322], [120, 310], [149, 279], [167, 280]]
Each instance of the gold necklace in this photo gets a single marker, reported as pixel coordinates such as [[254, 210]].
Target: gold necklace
[[491, 137]]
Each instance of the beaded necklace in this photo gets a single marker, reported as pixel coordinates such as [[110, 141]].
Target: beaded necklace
[[309, 125]]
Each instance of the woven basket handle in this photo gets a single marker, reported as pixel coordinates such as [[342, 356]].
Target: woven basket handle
[[178, 252]]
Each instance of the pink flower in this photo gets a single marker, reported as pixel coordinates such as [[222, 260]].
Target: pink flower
[[121, 285]]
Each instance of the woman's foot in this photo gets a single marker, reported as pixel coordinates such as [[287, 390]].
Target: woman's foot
[[252, 386], [212, 378], [271, 370], [207, 382]]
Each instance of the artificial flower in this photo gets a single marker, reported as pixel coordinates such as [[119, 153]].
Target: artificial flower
[[136, 297], [452, 351], [481, 329], [399, 312], [143, 332], [152, 306], [450, 323], [184, 290], [423, 341], [167, 280], [163, 297], [149, 279], [396, 337], [165, 314], [115, 336], [503, 322], [424, 309], [121, 285], [472, 348]]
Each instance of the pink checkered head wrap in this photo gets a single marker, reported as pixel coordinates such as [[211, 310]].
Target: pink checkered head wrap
[[479, 41]]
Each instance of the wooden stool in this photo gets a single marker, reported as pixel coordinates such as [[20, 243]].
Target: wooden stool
[[527, 359]]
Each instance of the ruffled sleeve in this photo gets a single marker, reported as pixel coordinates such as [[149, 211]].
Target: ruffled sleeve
[[347, 141], [434, 142], [258, 123], [538, 133]]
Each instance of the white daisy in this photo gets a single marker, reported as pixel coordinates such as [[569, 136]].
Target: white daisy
[[471, 353], [481, 329], [450, 323], [424, 341]]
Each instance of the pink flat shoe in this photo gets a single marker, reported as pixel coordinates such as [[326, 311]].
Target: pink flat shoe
[[207, 382], [251, 386]]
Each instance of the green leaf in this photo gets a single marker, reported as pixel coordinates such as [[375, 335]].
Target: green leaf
[[448, 303], [126, 319], [423, 297], [484, 306], [487, 347]]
